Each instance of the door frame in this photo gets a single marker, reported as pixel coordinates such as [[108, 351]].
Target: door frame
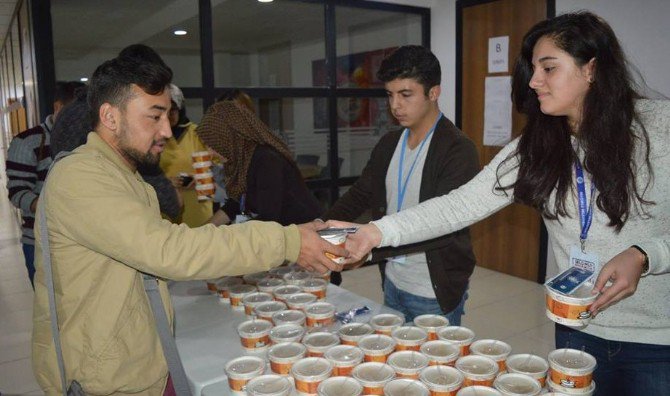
[[460, 5]]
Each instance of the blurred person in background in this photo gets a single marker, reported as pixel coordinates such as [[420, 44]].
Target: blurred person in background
[[28, 160]]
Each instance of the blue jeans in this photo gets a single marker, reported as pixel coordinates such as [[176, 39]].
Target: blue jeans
[[29, 254], [412, 305], [624, 368]]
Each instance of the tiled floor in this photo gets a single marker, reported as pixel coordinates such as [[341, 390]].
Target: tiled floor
[[500, 307]]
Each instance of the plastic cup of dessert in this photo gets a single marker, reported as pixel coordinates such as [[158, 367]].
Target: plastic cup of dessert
[[269, 385], [241, 370], [442, 380], [478, 390], [309, 373], [269, 284], [252, 300], [405, 387], [344, 358], [339, 386], [573, 310], [495, 349], [318, 343], [237, 293], [373, 376], [562, 390], [320, 314], [267, 309], [289, 316], [300, 300], [459, 335], [296, 278], [278, 272], [282, 292], [477, 370], [316, 286], [440, 352], [282, 356], [386, 323], [431, 323], [409, 338], [254, 334], [223, 287], [376, 347], [325, 276], [286, 333], [351, 333], [211, 285], [203, 178], [407, 364], [201, 156], [511, 384], [335, 237], [531, 365], [205, 192], [571, 368]]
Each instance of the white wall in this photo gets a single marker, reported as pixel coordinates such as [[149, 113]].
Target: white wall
[[642, 28]]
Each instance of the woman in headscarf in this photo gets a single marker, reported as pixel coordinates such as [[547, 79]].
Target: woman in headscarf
[[260, 174]]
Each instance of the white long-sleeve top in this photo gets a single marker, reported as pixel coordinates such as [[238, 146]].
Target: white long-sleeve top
[[643, 317]]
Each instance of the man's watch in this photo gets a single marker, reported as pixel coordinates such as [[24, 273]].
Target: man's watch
[[645, 266]]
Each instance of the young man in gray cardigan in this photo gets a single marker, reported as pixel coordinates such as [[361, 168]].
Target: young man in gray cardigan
[[426, 159]]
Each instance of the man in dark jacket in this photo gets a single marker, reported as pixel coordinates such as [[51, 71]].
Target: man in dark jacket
[[429, 158]]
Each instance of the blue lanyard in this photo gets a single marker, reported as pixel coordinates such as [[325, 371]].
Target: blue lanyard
[[585, 214], [402, 187]]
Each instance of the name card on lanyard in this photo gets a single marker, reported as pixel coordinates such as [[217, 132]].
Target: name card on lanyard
[[403, 182], [579, 257]]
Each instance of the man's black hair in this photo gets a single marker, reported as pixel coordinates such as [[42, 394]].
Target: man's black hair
[[136, 64], [411, 61], [65, 91]]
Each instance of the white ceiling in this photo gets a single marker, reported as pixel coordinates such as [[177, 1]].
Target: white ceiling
[[6, 13]]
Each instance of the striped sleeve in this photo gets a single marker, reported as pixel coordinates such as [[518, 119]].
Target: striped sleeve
[[21, 173]]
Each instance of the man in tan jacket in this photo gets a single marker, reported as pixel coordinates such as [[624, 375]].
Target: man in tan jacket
[[105, 230]]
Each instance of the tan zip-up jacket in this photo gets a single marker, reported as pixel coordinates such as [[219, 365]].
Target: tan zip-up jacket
[[105, 229]]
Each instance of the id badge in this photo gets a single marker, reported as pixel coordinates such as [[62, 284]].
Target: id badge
[[585, 261]]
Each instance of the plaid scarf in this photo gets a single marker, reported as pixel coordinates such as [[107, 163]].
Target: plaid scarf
[[234, 132]]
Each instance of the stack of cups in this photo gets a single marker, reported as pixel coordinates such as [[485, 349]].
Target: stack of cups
[[204, 179]]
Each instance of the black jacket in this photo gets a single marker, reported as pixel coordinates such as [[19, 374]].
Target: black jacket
[[276, 191], [451, 161]]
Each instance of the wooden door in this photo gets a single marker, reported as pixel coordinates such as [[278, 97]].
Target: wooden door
[[508, 241]]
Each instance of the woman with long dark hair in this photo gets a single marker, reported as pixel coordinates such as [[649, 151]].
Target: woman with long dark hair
[[592, 158]]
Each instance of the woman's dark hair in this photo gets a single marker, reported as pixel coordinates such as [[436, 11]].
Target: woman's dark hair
[[411, 61], [606, 134], [136, 64]]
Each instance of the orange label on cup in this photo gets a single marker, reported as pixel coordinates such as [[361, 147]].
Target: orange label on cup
[[384, 332], [211, 286], [568, 311], [439, 363], [401, 347], [465, 350], [224, 294], [348, 342], [204, 169], [373, 390], [280, 368], [314, 354], [410, 376], [570, 381], [376, 358], [332, 256], [342, 371], [237, 384], [306, 387], [312, 322], [255, 342], [432, 336], [502, 366], [469, 382], [320, 294], [235, 301]]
